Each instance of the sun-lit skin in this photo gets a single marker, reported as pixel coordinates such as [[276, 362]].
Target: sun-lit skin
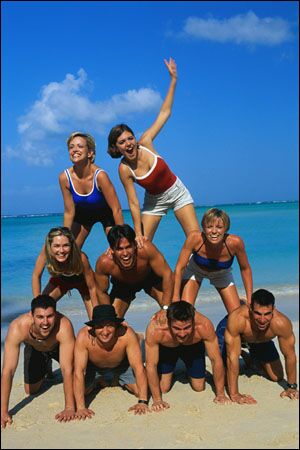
[[60, 248], [125, 254], [106, 332], [78, 149], [214, 231], [261, 316], [127, 145], [182, 330], [43, 322]]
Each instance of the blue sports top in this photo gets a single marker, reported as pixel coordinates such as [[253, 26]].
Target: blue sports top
[[89, 202], [211, 263]]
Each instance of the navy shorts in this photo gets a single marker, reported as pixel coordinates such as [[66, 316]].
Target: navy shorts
[[263, 351], [123, 372], [90, 217], [35, 363], [193, 357], [126, 292]]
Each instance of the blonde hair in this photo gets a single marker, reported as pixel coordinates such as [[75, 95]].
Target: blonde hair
[[215, 213], [74, 262], [90, 142]]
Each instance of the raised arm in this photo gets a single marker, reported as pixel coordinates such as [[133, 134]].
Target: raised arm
[[182, 262], [10, 362], [80, 365], [69, 207], [38, 272], [109, 192], [246, 272], [166, 108]]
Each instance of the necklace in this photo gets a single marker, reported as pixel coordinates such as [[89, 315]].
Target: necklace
[[35, 338]]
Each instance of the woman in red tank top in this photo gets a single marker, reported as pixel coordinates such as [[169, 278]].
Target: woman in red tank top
[[142, 164]]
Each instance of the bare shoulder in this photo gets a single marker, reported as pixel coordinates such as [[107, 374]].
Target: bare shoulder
[[154, 332], [19, 327], [204, 326], [65, 325], [104, 264], [237, 318], [235, 242], [281, 324]]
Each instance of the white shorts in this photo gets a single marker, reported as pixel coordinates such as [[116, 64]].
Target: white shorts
[[176, 197], [219, 278]]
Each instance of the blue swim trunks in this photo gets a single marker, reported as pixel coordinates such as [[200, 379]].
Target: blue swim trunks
[[263, 352], [192, 355]]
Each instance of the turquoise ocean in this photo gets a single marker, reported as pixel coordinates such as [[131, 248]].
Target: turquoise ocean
[[269, 230]]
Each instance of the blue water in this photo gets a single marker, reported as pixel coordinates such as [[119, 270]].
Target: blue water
[[269, 231]]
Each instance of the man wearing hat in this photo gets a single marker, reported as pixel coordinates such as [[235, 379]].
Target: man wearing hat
[[113, 350], [130, 269]]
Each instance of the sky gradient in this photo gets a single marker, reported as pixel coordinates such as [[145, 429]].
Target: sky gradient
[[233, 134]]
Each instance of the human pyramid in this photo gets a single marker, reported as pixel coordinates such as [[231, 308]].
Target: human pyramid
[[107, 351]]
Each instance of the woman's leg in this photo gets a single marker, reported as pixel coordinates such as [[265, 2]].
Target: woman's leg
[[190, 289], [187, 218], [230, 297], [80, 233], [150, 224]]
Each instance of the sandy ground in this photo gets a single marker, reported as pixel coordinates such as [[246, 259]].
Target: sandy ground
[[193, 420]]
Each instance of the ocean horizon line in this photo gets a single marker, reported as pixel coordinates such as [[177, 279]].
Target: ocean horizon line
[[29, 215]]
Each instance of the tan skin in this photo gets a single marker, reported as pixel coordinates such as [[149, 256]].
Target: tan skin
[[213, 247], [107, 348], [142, 161], [52, 328], [61, 248], [255, 325], [82, 174], [182, 333], [131, 265]]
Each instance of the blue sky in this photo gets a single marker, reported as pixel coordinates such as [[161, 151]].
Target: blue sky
[[66, 66]]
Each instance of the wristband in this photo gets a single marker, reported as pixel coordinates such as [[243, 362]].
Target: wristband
[[292, 385], [165, 307], [145, 402]]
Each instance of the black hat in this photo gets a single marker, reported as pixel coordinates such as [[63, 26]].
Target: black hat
[[102, 313]]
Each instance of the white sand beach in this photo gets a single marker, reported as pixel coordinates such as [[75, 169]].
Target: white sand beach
[[193, 420]]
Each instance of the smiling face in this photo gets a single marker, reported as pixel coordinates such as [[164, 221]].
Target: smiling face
[[261, 315], [106, 331], [182, 330], [125, 254], [78, 149], [60, 248], [43, 321], [214, 230], [127, 145]]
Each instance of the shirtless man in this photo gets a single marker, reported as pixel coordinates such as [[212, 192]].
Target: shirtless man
[[112, 349], [131, 269], [257, 326], [46, 334], [186, 335]]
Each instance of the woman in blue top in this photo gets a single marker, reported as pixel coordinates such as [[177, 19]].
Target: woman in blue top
[[89, 195], [209, 254]]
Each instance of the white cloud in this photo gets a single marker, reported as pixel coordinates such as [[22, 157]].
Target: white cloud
[[241, 29], [64, 107]]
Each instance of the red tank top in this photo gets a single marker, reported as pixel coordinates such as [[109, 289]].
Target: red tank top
[[159, 178]]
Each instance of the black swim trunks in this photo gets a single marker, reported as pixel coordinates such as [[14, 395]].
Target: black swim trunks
[[89, 218], [126, 292], [35, 363]]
